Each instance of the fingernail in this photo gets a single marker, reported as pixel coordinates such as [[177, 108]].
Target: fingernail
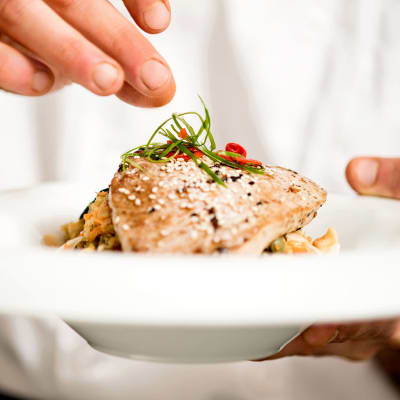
[[156, 16], [154, 74], [42, 81], [334, 336], [104, 76], [367, 171]]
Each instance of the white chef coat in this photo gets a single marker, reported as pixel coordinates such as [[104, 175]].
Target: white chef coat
[[306, 84]]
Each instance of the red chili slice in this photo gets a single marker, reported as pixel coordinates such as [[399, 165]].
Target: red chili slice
[[184, 157], [236, 148], [183, 133], [227, 157], [248, 161]]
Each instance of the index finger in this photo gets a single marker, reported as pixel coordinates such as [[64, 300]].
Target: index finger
[[145, 70]]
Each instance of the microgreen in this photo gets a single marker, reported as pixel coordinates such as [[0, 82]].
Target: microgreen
[[192, 141]]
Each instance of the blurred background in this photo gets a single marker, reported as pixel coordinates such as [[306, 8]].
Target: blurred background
[[304, 84]]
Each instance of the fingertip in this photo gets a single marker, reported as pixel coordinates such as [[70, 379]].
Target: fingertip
[[153, 16], [42, 82], [156, 17], [158, 99], [320, 335], [350, 173], [107, 78]]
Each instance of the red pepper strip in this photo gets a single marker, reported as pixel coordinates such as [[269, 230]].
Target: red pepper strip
[[183, 156], [198, 154], [183, 133], [248, 161], [227, 157], [169, 141], [236, 148]]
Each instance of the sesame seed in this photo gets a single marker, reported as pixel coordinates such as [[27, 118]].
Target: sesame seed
[[145, 178], [164, 232], [138, 202], [155, 189], [194, 234], [125, 227], [171, 196], [152, 196], [161, 201], [132, 197], [157, 207], [117, 219], [124, 191]]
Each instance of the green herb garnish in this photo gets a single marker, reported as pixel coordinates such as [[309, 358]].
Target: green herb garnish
[[183, 139]]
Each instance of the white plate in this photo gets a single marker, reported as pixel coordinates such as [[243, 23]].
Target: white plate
[[196, 309]]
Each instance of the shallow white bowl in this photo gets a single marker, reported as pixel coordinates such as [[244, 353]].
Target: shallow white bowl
[[196, 309]]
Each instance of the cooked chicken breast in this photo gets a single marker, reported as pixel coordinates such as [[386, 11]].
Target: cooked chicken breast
[[175, 207]]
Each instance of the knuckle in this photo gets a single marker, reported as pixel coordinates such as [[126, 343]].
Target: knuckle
[[119, 41], [363, 355], [70, 53], [11, 11], [63, 4]]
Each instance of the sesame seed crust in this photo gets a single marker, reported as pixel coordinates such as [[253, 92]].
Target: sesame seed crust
[[201, 216]]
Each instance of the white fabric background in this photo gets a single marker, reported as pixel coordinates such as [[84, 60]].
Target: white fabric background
[[306, 84]]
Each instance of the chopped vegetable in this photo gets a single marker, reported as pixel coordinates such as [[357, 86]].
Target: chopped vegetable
[[236, 148]]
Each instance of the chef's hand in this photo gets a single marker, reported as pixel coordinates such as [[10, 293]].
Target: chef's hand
[[357, 341], [45, 44], [375, 176]]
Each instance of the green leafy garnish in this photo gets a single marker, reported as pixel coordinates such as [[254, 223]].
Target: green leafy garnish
[[184, 141]]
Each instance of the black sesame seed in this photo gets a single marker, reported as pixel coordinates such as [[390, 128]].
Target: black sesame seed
[[259, 203], [235, 178], [249, 194], [246, 220], [211, 210], [194, 215], [214, 222], [221, 250], [151, 210], [251, 183]]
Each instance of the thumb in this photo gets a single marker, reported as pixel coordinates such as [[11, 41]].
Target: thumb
[[375, 176]]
